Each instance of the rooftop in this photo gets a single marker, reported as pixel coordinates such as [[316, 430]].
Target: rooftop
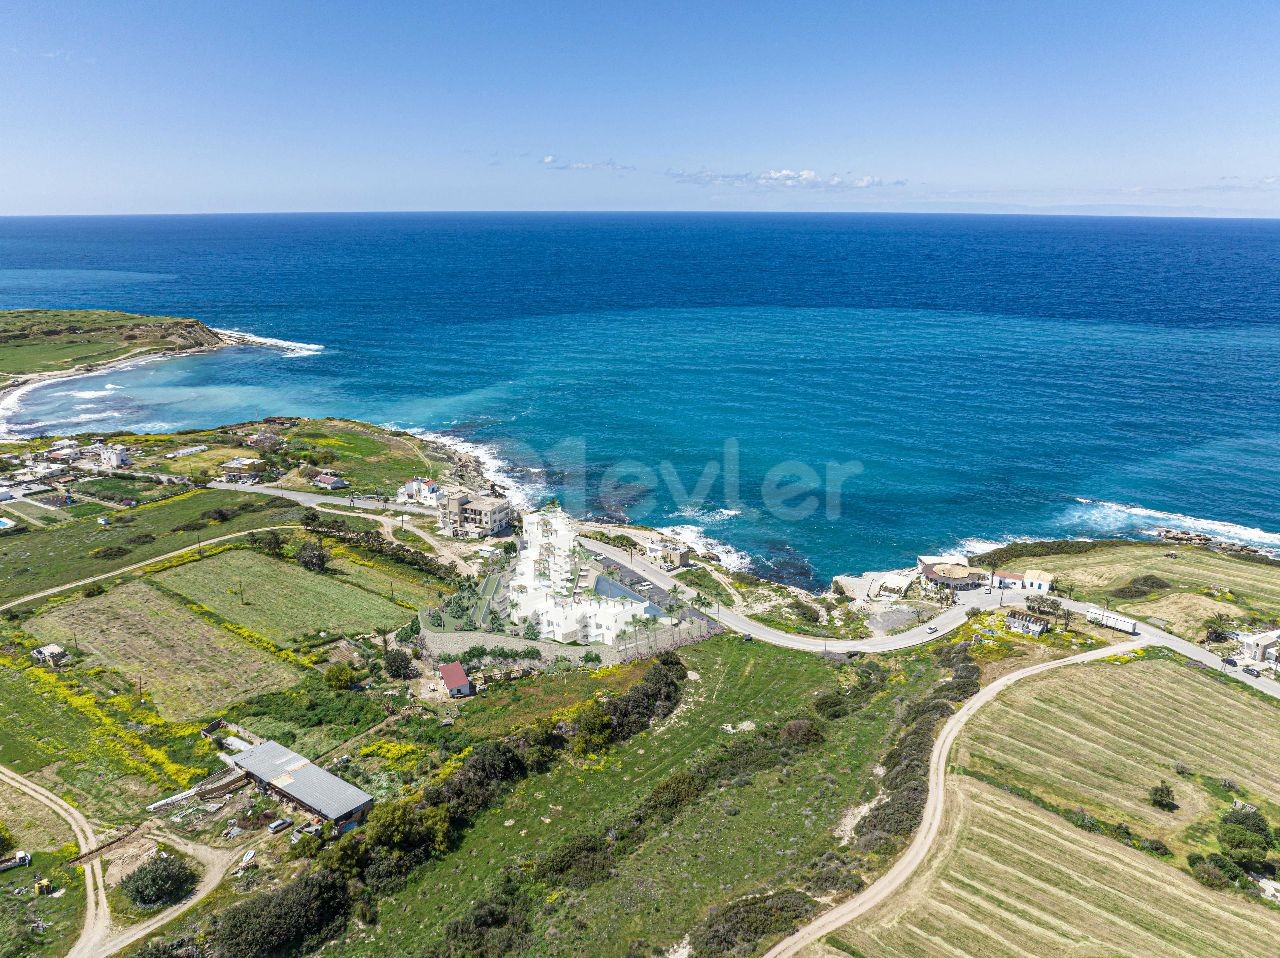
[[455, 677], [301, 780]]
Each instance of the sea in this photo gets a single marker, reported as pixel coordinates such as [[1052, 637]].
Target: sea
[[806, 394]]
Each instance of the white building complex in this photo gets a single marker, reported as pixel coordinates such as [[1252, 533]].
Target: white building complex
[[554, 587]]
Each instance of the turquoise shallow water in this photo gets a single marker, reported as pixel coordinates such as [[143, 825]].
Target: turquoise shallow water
[[926, 380]]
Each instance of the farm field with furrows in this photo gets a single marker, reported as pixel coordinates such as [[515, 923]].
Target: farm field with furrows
[[1100, 736], [1013, 881]]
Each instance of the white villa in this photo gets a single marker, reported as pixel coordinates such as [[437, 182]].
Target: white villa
[[421, 490], [554, 587]]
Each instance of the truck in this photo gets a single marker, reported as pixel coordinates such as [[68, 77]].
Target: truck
[[1112, 621]]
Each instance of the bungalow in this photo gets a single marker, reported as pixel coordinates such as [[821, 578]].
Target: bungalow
[[332, 483], [418, 489], [953, 575], [1033, 580], [51, 655], [1007, 580], [1028, 623], [456, 681]]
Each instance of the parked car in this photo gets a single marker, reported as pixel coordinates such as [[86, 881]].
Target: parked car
[[1250, 670], [1231, 662], [279, 825]]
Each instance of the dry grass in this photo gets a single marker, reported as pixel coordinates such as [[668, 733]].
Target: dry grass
[[1183, 614], [1012, 881], [35, 827], [1195, 569], [192, 668]]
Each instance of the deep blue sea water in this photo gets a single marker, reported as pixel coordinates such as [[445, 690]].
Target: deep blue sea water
[[967, 377]]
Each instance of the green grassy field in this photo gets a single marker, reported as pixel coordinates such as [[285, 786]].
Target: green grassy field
[[373, 460], [115, 488], [82, 736], [1103, 750], [50, 340], [34, 514], [757, 833], [391, 580], [281, 600], [1013, 881], [191, 668], [702, 580], [43, 559]]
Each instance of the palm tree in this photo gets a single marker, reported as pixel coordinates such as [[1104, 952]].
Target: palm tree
[[1218, 627]]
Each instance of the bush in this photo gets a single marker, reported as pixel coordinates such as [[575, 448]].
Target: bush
[[1162, 796], [6, 839], [93, 589], [899, 814], [495, 927], [304, 911], [161, 880], [311, 556], [591, 658], [109, 552], [738, 926], [1250, 819], [1210, 875], [399, 665], [580, 862], [800, 732], [340, 677], [673, 793]]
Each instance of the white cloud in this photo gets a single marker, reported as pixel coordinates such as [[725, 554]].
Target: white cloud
[[783, 179], [551, 161]]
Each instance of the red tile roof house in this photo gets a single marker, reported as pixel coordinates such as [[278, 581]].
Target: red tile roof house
[[456, 681], [329, 482]]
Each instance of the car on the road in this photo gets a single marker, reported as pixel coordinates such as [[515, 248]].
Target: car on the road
[[987, 590], [931, 629], [1250, 670], [1231, 662]]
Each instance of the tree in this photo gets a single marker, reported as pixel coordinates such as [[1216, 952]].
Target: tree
[[340, 677], [311, 556], [399, 665], [531, 631], [6, 839], [269, 541], [591, 658], [161, 880], [1162, 796], [1218, 628], [1246, 848], [405, 825]]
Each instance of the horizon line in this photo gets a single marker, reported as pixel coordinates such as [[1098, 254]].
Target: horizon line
[[1152, 213]]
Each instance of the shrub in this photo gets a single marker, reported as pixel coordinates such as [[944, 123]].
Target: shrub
[[93, 589], [800, 732], [399, 665], [591, 658], [161, 880], [1162, 796], [900, 813], [673, 793], [340, 677], [495, 927], [1210, 875], [580, 862], [109, 552], [302, 912], [6, 839], [735, 928], [1250, 819], [311, 556]]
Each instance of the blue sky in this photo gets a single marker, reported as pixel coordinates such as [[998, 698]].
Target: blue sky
[[1169, 107]]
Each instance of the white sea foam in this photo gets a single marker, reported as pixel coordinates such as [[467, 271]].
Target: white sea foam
[[1100, 517], [106, 390], [289, 347], [524, 495], [704, 516], [696, 538]]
